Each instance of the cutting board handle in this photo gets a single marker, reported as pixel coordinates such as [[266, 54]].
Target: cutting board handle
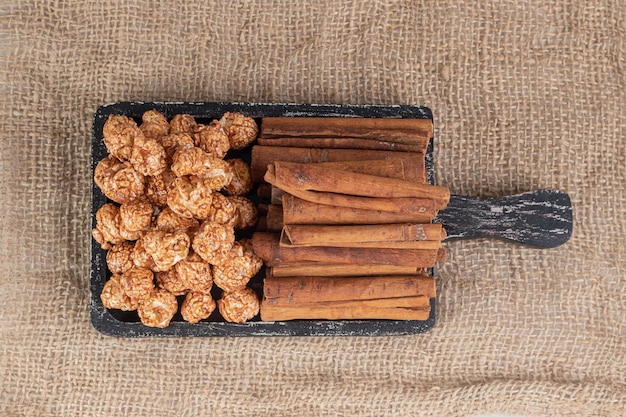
[[541, 218]]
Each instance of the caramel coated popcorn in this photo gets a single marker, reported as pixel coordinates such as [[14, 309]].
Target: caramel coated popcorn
[[241, 183], [120, 257], [212, 139], [213, 241], [197, 306], [241, 130], [138, 283], [148, 157], [183, 123], [236, 269], [119, 181], [239, 306], [107, 231], [170, 221], [135, 219], [119, 133], [170, 281], [158, 186], [195, 274], [158, 309], [113, 295], [213, 171], [223, 210], [247, 213], [190, 198], [169, 224], [154, 125], [166, 249]]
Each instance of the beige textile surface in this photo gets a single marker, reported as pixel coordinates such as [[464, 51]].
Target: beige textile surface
[[526, 95]]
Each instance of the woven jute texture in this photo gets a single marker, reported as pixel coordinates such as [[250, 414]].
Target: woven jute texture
[[526, 95]]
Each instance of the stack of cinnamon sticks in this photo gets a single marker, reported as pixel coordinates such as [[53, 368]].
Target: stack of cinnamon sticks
[[348, 231]]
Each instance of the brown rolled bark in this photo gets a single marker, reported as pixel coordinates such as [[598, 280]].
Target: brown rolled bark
[[408, 131], [298, 211], [302, 179], [321, 269], [354, 310], [341, 143], [267, 247], [262, 156], [372, 233]]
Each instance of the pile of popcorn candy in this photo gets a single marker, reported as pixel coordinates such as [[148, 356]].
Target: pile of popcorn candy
[[170, 230]]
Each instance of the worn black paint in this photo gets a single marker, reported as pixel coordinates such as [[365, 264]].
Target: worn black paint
[[463, 218], [542, 218]]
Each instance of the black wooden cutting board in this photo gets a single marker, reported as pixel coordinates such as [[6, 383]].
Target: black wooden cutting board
[[541, 219]]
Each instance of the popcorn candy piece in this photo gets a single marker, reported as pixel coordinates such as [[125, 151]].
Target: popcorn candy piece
[[140, 257], [120, 257], [212, 139], [148, 156], [182, 123], [222, 210], [213, 171], [190, 198], [107, 230], [166, 249], [197, 306], [138, 283], [236, 269], [176, 142], [158, 309], [241, 130], [213, 241], [247, 212], [119, 133], [241, 183], [170, 221], [154, 125], [118, 180], [158, 186], [170, 281], [135, 219], [113, 295], [238, 306], [195, 274]]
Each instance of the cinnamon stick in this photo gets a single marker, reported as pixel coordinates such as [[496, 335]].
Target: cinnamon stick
[[285, 242], [298, 211], [322, 235], [341, 143], [274, 218], [267, 247], [355, 310], [321, 269], [410, 131], [262, 156], [311, 290], [297, 179]]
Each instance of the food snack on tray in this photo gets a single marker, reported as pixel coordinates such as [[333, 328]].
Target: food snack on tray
[[241, 130], [241, 183], [197, 306], [213, 241], [194, 273], [212, 139], [239, 306], [118, 180], [154, 125], [247, 212], [236, 269], [158, 309], [168, 186], [113, 295], [120, 257]]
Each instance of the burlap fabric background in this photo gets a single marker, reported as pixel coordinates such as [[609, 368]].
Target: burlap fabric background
[[525, 95]]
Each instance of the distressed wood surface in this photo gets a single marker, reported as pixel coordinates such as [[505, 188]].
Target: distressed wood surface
[[542, 218]]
